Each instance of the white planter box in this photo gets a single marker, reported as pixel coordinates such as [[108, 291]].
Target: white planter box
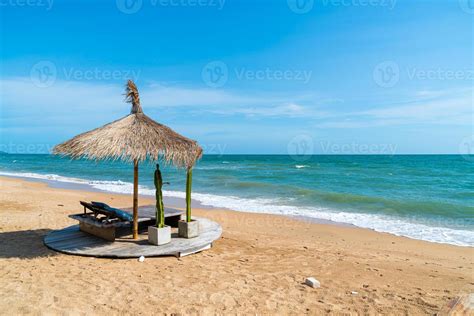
[[159, 236], [188, 229]]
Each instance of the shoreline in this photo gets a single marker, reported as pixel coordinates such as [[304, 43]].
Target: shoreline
[[171, 200], [258, 265], [179, 202]]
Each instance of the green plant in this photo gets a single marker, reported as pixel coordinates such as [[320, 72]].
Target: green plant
[[160, 209], [189, 179]]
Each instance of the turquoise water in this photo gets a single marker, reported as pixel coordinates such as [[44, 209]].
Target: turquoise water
[[426, 197]]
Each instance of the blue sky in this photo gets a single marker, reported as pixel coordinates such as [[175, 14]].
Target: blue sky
[[296, 76]]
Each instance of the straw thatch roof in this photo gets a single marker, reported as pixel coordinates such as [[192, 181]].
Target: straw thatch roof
[[133, 137]]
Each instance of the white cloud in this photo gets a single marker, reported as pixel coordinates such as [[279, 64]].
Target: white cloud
[[157, 95], [58, 96], [426, 107], [68, 101], [290, 110], [64, 98]]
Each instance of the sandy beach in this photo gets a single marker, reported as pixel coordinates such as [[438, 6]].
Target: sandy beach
[[258, 266]]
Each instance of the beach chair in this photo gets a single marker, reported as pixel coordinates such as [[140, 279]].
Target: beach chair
[[106, 222], [110, 213]]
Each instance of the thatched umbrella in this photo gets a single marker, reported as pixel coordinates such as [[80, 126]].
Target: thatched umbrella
[[133, 138]]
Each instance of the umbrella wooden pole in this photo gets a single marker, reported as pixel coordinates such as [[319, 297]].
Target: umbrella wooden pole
[[135, 199]]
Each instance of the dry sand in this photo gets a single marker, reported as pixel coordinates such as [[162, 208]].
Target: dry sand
[[258, 266]]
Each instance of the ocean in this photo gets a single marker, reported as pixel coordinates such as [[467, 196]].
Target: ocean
[[427, 197]]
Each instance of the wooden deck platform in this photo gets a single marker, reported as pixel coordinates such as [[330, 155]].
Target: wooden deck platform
[[72, 241]]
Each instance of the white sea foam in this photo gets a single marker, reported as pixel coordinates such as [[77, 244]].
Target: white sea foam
[[378, 222], [52, 177], [301, 166]]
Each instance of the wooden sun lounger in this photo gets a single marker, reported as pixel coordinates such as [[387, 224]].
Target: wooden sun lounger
[[97, 210], [109, 228]]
